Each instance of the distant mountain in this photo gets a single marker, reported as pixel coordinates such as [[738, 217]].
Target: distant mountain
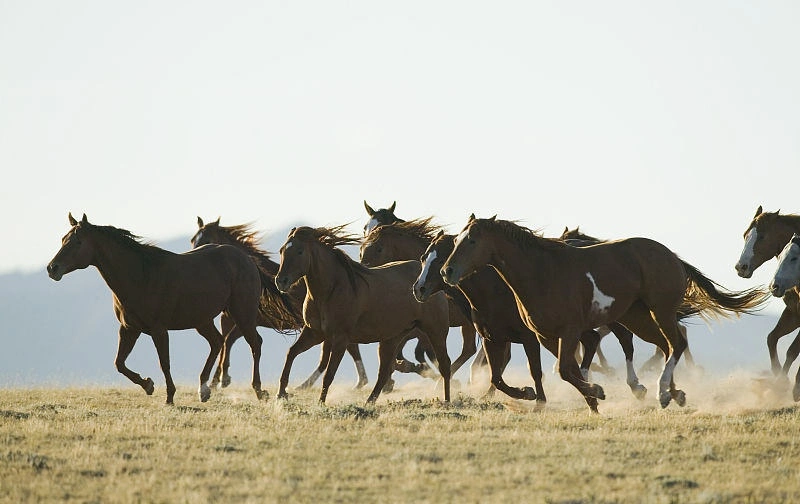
[[65, 333]]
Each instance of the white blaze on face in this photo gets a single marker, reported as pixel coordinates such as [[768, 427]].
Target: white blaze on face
[[461, 236], [371, 224], [288, 244], [426, 266], [600, 302], [198, 237], [749, 247], [788, 273]]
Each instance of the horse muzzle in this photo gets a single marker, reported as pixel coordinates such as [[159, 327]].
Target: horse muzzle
[[743, 270], [776, 289], [54, 271]]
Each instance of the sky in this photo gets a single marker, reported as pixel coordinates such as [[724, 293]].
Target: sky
[[671, 120]]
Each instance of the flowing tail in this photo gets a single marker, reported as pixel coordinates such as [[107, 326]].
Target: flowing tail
[[710, 300], [277, 310]]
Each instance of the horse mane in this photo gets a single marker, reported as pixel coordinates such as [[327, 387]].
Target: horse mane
[[248, 239], [335, 237], [577, 234], [526, 238], [421, 229], [147, 249]]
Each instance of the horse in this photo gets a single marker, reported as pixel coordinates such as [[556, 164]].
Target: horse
[[765, 237], [347, 302], [563, 290], [578, 238], [407, 240], [380, 217], [286, 312], [155, 291]]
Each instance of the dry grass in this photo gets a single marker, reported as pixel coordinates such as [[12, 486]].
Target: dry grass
[[119, 445]]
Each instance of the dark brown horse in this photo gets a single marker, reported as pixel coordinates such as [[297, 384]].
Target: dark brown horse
[[284, 311], [577, 238], [380, 217], [765, 237], [357, 304], [155, 290], [563, 290], [406, 241]]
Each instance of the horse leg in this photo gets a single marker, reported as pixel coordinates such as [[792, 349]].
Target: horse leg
[[468, 349], [479, 364], [355, 353], [591, 342], [255, 341], [791, 356], [230, 334], [438, 342], [625, 338], [161, 342], [788, 322], [214, 338], [533, 350], [338, 348], [307, 339], [571, 373], [423, 353], [656, 361], [387, 352], [687, 354], [127, 339], [495, 355], [324, 357]]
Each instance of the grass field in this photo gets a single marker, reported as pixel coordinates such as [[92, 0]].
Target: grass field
[[733, 442]]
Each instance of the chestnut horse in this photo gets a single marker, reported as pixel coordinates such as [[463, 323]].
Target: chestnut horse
[[347, 302], [406, 241], [286, 309], [155, 290], [765, 237], [563, 290], [787, 279], [577, 238]]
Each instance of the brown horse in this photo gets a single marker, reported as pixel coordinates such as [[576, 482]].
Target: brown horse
[[155, 290], [380, 217], [577, 238], [356, 304], [765, 237], [406, 241], [285, 310], [563, 290]]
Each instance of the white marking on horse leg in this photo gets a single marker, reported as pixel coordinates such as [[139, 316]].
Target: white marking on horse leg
[[600, 301], [585, 374]]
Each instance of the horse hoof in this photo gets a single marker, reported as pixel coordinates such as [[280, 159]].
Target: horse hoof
[[796, 392], [262, 395], [226, 380], [528, 393], [389, 386], [639, 391], [204, 392], [149, 387], [680, 397], [598, 392], [283, 395], [539, 405], [361, 384], [592, 402], [664, 399]]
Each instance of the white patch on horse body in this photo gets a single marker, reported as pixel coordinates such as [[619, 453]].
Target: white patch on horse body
[[600, 302], [749, 247], [426, 266], [371, 224], [460, 237]]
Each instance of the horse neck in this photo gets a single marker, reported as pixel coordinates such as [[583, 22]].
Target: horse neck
[[325, 273], [535, 260], [122, 267], [792, 222]]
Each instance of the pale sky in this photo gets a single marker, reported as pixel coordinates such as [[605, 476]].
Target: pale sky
[[671, 120]]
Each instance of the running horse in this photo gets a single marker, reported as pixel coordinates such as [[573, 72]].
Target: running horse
[[765, 237], [356, 304], [578, 238], [563, 290], [407, 240], [787, 279], [284, 310], [155, 291]]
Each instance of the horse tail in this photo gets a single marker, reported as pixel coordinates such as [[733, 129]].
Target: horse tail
[[708, 299], [277, 310]]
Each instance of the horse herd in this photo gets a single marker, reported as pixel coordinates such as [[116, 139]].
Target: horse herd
[[496, 279]]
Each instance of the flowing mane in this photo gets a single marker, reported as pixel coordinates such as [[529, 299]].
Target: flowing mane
[[526, 238], [767, 218], [421, 229], [335, 237], [145, 248], [246, 236]]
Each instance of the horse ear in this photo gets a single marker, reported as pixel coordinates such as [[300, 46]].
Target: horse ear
[[440, 233], [369, 209], [72, 220], [216, 222], [391, 208], [199, 222], [493, 217], [84, 220], [566, 230], [471, 217], [758, 211]]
